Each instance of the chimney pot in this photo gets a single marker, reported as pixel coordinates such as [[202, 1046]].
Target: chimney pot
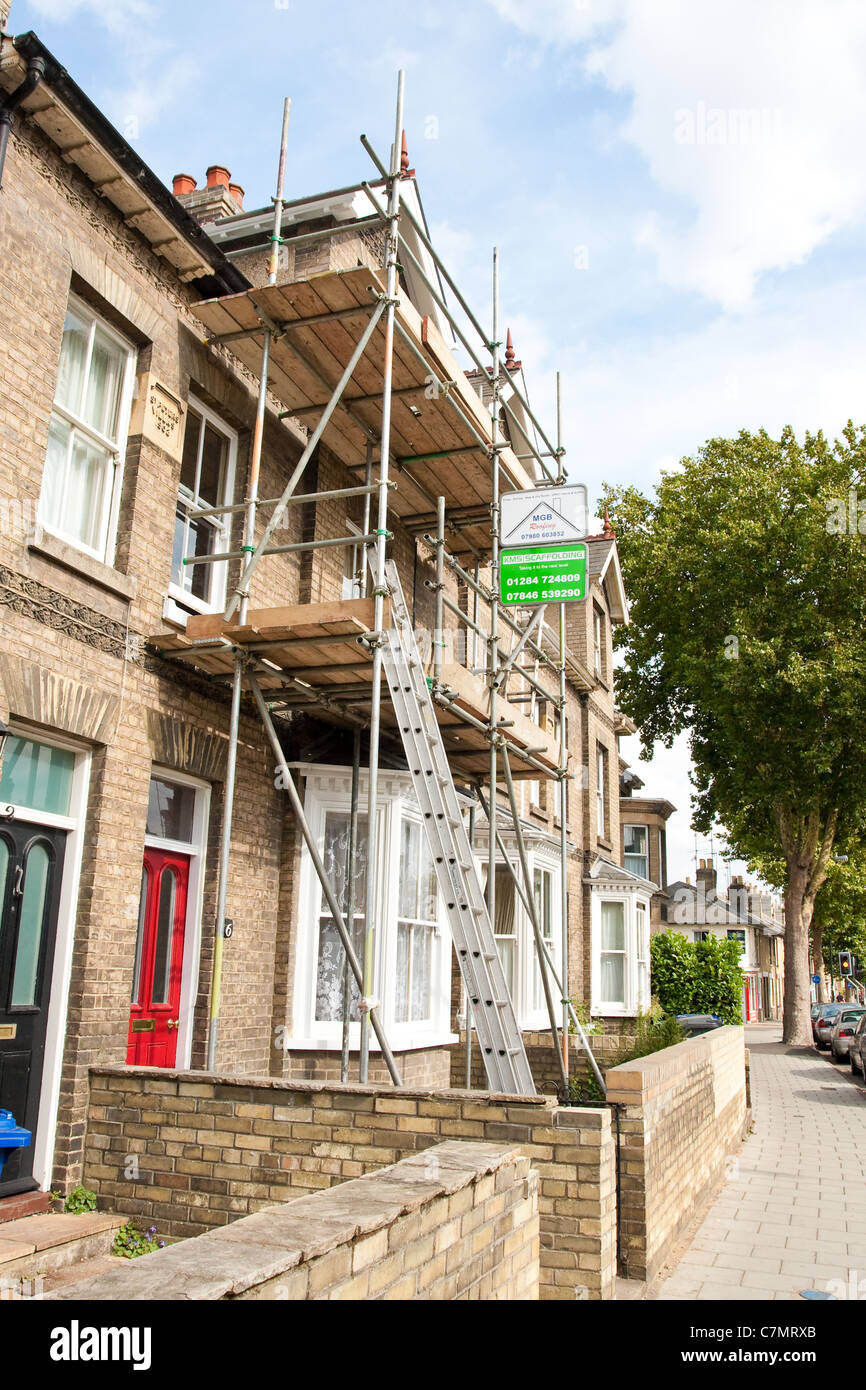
[[218, 175], [237, 193], [182, 183]]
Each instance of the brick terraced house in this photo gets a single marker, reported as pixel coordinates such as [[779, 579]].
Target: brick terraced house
[[127, 432]]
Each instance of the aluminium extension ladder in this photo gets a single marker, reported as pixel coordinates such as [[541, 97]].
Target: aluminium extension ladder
[[493, 1015]]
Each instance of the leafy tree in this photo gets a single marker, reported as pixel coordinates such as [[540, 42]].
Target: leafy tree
[[747, 579], [718, 979], [839, 919], [672, 961], [697, 977]]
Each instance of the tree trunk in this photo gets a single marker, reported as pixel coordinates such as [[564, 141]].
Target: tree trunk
[[796, 1022]]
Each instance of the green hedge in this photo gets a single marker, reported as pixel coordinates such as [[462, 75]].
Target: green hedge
[[697, 977]]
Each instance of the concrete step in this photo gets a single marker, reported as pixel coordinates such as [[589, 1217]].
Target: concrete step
[[39, 1245]]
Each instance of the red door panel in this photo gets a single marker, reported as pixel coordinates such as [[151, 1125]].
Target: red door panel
[[154, 1014]]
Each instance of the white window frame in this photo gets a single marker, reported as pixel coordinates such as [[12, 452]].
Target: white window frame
[[179, 600], [106, 552], [196, 849], [636, 998], [532, 1016], [598, 641], [601, 811], [631, 855], [329, 789]]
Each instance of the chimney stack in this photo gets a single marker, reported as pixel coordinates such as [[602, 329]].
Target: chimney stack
[[218, 197], [706, 874]]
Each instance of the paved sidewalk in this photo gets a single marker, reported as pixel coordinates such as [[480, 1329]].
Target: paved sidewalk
[[792, 1214]]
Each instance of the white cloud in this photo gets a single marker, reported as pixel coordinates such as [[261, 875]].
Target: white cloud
[[748, 117], [151, 81], [116, 15], [559, 21]]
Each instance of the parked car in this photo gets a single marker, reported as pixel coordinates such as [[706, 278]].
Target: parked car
[[693, 1024], [823, 1025], [855, 1051], [843, 1031]]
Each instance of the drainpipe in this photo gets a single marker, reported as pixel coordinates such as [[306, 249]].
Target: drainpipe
[[35, 73]]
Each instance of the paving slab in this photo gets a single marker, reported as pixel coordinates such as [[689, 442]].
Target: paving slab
[[792, 1216]]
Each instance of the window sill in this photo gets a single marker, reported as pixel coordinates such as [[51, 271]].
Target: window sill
[[605, 844], [50, 547], [413, 1043]]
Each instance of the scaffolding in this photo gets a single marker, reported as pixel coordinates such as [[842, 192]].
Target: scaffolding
[[349, 355]]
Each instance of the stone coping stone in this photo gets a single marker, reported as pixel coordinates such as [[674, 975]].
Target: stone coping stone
[[230, 1260], [669, 1061], [260, 1086], [44, 1231]]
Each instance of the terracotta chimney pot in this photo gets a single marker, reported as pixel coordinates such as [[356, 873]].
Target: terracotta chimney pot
[[182, 183], [237, 193], [218, 175]]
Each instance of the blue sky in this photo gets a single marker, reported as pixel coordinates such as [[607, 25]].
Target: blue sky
[[677, 187]]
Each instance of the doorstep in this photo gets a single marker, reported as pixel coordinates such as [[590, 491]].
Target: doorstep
[[24, 1204], [34, 1245]]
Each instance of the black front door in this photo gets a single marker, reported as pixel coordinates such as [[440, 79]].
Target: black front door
[[31, 867]]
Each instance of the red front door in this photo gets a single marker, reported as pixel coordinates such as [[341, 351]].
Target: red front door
[[154, 1016]]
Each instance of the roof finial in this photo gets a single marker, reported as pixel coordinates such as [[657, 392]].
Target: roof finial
[[609, 532], [405, 171], [510, 364]]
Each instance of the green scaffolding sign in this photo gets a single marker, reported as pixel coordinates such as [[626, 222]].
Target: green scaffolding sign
[[545, 574]]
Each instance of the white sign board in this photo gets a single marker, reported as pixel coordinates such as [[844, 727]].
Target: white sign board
[[544, 516]]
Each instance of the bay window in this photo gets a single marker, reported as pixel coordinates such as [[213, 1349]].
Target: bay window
[[505, 927], [87, 434], [331, 955], [411, 945], [621, 984], [635, 855], [416, 925], [542, 886], [613, 959], [643, 953], [515, 939]]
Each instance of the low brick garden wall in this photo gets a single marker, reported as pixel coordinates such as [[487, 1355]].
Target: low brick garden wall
[[459, 1221], [190, 1151], [683, 1116]]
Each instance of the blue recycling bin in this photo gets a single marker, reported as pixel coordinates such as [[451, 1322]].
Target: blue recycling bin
[[12, 1137]]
